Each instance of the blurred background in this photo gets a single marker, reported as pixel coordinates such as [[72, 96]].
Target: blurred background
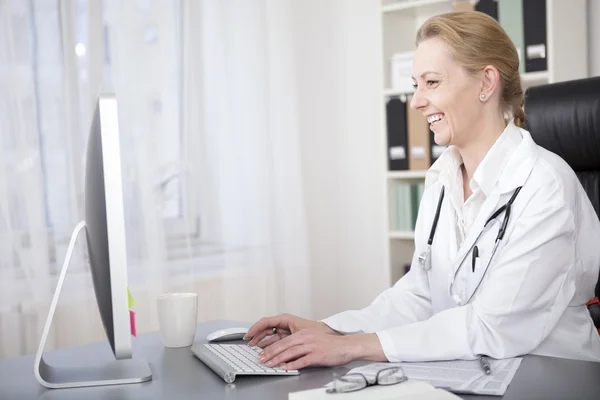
[[253, 151], [247, 172]]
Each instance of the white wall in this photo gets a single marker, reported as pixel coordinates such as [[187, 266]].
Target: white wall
[[593, 24], [338, 71]]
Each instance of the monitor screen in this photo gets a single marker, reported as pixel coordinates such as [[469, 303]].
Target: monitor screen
[[105, 226]]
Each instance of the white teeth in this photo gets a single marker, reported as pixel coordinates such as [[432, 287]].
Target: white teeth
[[435, 117]]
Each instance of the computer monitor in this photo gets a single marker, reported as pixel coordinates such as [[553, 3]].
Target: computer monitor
[[106, 246], [105, 226]]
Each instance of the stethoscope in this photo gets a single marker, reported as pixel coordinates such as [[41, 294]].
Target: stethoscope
[[425, 257]]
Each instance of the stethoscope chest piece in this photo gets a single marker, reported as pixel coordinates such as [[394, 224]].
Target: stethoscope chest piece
[[457, 299], [425, 259]]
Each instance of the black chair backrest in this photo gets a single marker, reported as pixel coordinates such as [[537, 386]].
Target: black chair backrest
[[564, 118]]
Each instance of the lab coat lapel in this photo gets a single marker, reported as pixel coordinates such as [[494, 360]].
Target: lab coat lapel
[[515, 174]]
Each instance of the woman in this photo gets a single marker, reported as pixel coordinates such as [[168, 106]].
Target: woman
[[532, 298]]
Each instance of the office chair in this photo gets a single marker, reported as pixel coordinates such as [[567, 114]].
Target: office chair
[[564, 118]]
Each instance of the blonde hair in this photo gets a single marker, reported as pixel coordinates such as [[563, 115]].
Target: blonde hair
[[476, 40]]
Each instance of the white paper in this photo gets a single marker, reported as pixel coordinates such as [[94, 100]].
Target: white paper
[[408, 390], [455, 376]]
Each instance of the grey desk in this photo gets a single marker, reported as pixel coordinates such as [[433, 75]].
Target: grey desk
[[177, 374]]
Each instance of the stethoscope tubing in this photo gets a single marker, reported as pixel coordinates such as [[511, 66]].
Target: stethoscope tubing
[[455, 297], [425, 257]]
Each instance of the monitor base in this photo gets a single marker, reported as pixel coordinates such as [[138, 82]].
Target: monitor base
[[114, 372]]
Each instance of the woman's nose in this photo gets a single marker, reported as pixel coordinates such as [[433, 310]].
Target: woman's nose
[[418, 101]]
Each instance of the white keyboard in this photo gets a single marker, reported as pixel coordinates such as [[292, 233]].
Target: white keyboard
[[230, 360]]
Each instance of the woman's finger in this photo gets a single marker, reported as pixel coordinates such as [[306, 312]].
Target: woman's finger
[[291, 353], [269, 341], [266, 325], [282, 345], [259, 336], [262, 325], [258, 339], [301, 362]]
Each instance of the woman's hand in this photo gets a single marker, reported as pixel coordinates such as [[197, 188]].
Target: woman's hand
[[311, 348], [281, 326]]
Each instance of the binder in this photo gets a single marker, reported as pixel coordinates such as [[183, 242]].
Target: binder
[[403, 207], [489, 7], [435, 149], [418, 140], [510, 14], [396, 134], [408, 199], [464, 5], [535, 35], [416, 193]]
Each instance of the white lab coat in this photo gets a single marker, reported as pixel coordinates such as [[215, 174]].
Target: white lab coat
[[532, 298]]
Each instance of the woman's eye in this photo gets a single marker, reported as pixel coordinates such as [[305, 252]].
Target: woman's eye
[[432, 83], [414, 86]]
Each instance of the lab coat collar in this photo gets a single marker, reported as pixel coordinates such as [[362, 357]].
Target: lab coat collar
[[519, 165], [445, 168], [512, 172], [491, 167], [446, 164]]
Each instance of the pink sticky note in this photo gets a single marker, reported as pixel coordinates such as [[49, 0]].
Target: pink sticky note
[[132, 322]]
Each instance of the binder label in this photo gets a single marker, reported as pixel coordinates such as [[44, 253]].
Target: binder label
[[417, 152], [397, 153], [536, 51]]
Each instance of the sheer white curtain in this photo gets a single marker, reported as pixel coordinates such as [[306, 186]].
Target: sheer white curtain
[[211, 166]]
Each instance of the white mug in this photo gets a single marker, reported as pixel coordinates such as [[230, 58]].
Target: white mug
[[177, 318]]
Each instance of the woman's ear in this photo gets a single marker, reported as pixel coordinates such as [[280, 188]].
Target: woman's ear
[[490, 82]]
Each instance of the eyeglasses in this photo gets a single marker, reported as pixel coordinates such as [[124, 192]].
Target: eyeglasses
[[355, 381]]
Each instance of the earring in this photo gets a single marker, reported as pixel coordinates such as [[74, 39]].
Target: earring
[[482, 96]]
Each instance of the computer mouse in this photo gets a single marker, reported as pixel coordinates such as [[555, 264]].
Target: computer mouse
[[227, 334]]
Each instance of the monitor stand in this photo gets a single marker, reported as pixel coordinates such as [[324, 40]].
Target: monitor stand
[[113, 372]]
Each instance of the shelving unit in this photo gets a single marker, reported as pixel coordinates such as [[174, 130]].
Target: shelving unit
[[402, 235], [408, 174], [527, 79], [567, 59], [396, 92], [534, 78], [413, 6]]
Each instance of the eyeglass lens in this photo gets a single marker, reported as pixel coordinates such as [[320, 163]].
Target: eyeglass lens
[[349, 383], [390, 376], [353, 382]]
